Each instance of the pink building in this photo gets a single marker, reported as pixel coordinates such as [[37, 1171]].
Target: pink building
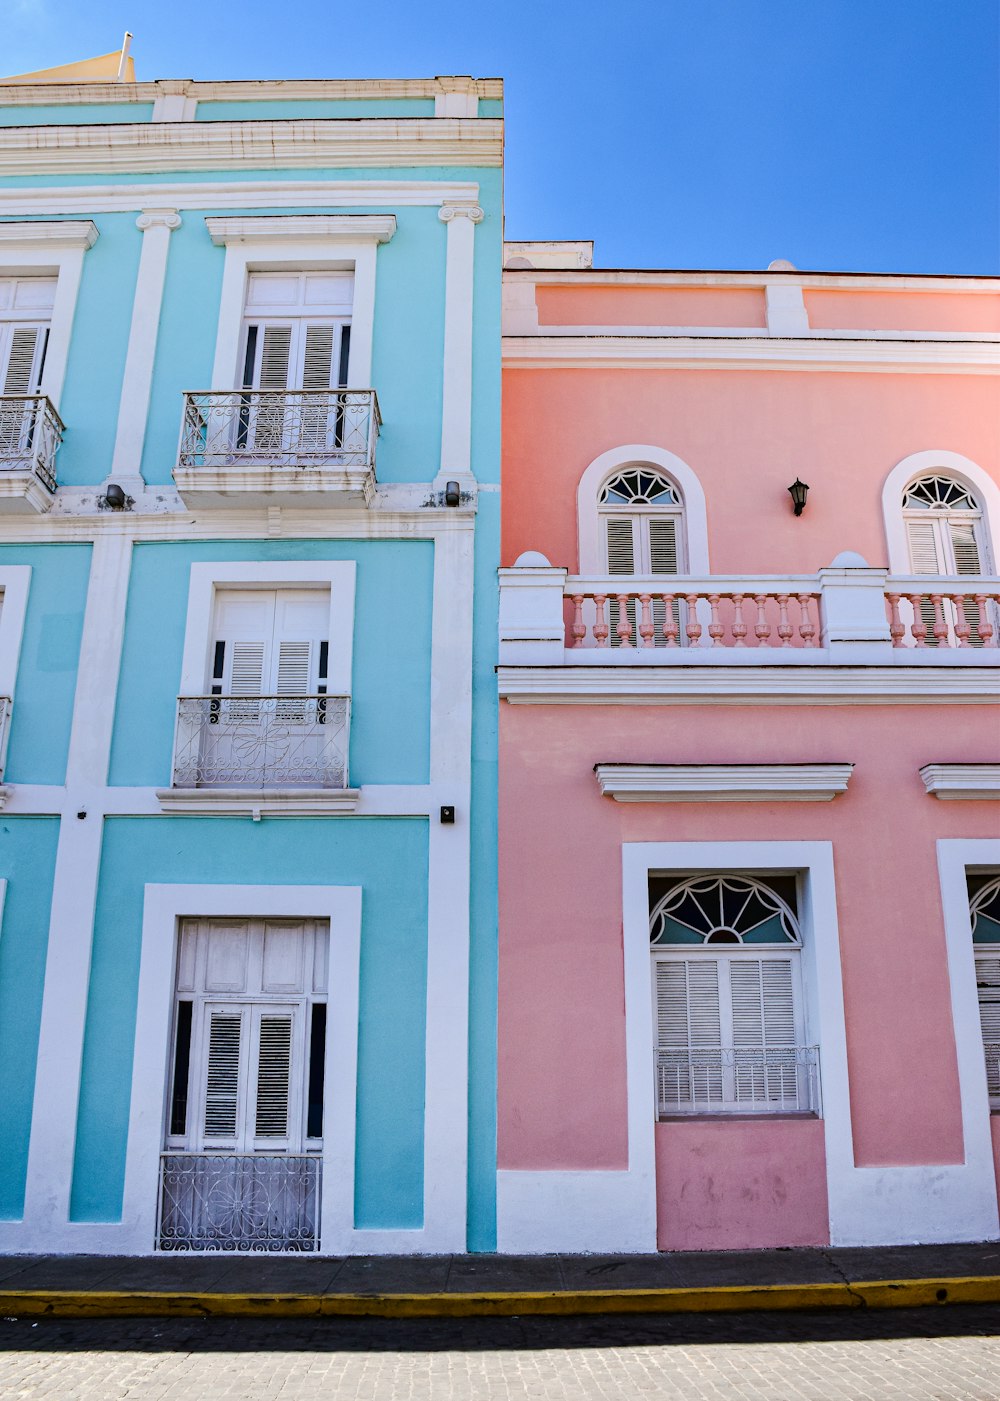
[[749, 758]]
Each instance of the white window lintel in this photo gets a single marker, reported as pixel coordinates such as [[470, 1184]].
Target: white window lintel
[[722, 783], [962, 780]]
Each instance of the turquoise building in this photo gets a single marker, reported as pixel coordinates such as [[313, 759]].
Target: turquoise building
[[249, 532]]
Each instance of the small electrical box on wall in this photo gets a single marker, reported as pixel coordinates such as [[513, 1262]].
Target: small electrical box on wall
[[448, 815]]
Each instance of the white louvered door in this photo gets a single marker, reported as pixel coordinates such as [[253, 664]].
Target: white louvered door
[[727, 1028], [641, 543], [946, 544], [24, 329], [988, 986]]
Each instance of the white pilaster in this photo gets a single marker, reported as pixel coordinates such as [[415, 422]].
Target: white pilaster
[[456, 407], [74, 893], [157, 226]]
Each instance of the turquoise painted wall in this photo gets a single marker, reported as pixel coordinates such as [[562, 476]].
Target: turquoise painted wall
[[74, 114], [388, 857], [27, 863], [50, 651], [390, 741], [317, 110], [92, 391]]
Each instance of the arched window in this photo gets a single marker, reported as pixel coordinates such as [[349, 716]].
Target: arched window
[[944, 527], [730, 1032], [984, 907], [642, 516]]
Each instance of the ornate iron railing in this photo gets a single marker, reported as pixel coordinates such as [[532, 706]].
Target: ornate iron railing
[[239, 1201], [280, 428], [747, 1080], [30, 434], [261, 741]]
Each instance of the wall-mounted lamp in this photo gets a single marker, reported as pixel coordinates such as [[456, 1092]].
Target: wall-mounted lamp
[[115, 499], [452, 494], [798, 491]]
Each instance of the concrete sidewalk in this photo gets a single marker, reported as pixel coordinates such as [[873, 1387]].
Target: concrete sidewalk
[[229, 1285]]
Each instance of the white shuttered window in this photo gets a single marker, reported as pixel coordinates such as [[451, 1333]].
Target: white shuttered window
[[641, 518], [944, 532], [270, 642], [250, 1003]]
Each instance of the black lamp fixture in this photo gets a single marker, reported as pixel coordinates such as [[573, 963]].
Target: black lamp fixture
[[798, 491], [452, 494], [115, 499]]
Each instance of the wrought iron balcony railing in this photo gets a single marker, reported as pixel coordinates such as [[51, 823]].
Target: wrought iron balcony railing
[[291, 428], [261, 742], [239, 1201], [744, 1080], [30, 434]]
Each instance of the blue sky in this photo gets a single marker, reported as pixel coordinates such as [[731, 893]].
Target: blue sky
[[842, 134]]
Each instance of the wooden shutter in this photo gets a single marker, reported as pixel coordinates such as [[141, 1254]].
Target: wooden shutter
[[621, 545], [275, 357], [988, 984], [274, 1071], [965, 546], [662, 545], [763, 1001], [689, 1033], [22, 368], [317, 359], [222, 1078], [924, 554]]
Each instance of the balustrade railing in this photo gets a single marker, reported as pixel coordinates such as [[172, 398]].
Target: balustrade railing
[[683, 612], [240, 1201], [30, 434], [749, 1080], [943, 612], [280, 428], [261, 742]]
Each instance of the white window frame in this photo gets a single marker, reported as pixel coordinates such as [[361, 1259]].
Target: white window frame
[[692, 545], [297, 243], [943, 463], [56, 250], [163, 909]]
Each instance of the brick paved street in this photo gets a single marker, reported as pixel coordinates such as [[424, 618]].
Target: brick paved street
[[950, 1354]]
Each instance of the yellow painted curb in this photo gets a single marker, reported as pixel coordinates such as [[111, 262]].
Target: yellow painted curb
[[872, 1294]]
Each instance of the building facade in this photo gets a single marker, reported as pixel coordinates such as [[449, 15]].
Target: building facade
[[749, 745], [249, 530]]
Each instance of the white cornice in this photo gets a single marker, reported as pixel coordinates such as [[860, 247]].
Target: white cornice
[[234, 194], [766, 685], [757, 352], [868, 282], [64, 233], [962, 780], [297, 228], [281, 802], [321, 144], [722, 783], [252, 90]]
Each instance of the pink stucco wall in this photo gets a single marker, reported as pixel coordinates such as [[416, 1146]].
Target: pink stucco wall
[[747, 434], [562, 1056], [859, 310], [740, 1184], [650, 306]]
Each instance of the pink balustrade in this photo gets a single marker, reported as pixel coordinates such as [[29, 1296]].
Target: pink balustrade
[[685, 617], [925, 616]]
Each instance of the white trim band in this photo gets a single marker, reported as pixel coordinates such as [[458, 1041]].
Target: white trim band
[[962, 780], [722, 783]]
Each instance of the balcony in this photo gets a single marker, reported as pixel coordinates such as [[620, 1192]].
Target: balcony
[[259, 754], [737, 1080], [30, 434], [305, 447], [239, 1202], [563, 635]]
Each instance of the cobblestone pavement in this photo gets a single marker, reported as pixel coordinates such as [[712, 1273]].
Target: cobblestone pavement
[[949, 1354]]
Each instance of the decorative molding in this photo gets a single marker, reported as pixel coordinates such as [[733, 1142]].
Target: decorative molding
[[472, 212], [257, 145], [604, 352], [248, 90], [294, 228], [813, 684], [201, 488], [158, 219], [632, 277], [232, 194], [265, 802], [962, 780], [24, 494], [695, 523], [722, 783], [61, 233]]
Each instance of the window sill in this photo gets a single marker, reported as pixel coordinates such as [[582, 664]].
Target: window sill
[[256, 802], [724, 1116]]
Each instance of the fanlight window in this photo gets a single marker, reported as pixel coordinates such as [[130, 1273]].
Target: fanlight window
[[938, 494], [943, 527], [641, 529], [985, 910], [729, 1020]]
